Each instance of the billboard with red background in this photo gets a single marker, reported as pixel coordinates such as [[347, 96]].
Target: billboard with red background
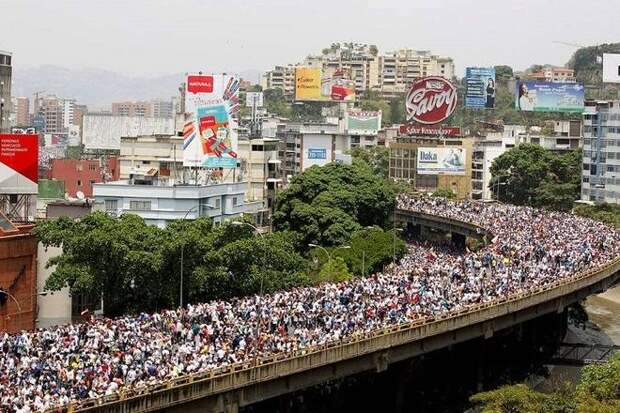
[[431, 100], [19, 158]]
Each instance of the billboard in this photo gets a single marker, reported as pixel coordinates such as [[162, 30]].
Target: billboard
[[210, 131], [535, 96], [311, 84], [254, 99], [431, 100], [429, 130], [104, 131], [363, 123], [19, 168], [441, 161], [480, 87], [611, 68]]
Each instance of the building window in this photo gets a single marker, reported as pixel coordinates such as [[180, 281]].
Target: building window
[[111, 204], [79, 182], [235, 201], [92, 167], [140, 205], [217, 203]]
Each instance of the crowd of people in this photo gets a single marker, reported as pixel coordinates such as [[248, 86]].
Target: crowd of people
[[530, 248]]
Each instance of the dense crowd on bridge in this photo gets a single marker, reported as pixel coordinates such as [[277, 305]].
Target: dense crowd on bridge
[[530, 248]]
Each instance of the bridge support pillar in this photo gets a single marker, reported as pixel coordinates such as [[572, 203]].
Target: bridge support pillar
[[382, 361]]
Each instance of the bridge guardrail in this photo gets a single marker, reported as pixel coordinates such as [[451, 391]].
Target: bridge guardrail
[[263, 368]]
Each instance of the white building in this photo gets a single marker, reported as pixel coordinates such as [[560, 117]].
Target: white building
[[159, 203], [163, 153], [601, 152], [305, 144], [557, 136], [485, 151], [260, 167]]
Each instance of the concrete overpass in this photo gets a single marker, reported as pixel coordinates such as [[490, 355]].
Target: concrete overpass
[[227, 389]]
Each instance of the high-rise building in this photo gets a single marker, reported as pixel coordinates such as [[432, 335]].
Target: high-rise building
[[78, 114], [601, 152], [163, 108], [21, 108], [399, 69], [390, 74], [140, 109], [6, 71], [56, 112]]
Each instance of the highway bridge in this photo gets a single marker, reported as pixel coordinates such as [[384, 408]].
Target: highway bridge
[[228, 389]]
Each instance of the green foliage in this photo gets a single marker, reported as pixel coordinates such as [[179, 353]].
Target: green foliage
[[444, 193], [378, 157], [334, 270], [371, 249], [598, 391], [325, 205], [588, 70], [276, 103], [137, 267], [531, 175], [607, 213], [503, 73], [509, 399]]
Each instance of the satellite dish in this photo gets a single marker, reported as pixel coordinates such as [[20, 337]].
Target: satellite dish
[[80, 195]]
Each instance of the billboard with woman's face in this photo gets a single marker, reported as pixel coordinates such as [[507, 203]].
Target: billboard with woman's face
[[535, 96]]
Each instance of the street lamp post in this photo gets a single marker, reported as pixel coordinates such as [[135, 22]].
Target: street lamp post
[[394, 252], [260, 310], [329, 256], [182, 250]]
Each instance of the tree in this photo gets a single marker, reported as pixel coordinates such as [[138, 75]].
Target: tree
[[531, 175], [371, 249], [518, 398], [607, 213], [325, 205], [599, 387], [334, 270], [377, 157], [444, 193], [276, 103], [503, 73]]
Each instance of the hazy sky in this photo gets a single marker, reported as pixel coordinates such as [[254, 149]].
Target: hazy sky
[[156, 37]]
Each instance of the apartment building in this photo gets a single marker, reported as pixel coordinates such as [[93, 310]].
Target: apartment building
[[6, 73], [400, 68], [281, 77], [260, 167], [162, 154], [21, 109], [601, 152], [485, 150], [57, 113], [554, 74], [390, 74], [557, 136], [137, 109], [305, 144], [79, 175]]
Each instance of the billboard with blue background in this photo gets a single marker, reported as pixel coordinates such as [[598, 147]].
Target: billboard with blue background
[[536, 96], [480, 87]]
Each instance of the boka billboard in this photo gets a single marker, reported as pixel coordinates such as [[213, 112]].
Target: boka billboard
[[210, 130], [431, 100], [441, 161], [535, 96]]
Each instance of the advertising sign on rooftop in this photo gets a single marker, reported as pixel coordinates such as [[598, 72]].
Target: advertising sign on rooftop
[[254, 99], [19, 169], [311, 84], [363, 123], [480, 87], [611, 68], [431, 100], [210, 130], [535, 96], [441, 161], [429, 130]]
